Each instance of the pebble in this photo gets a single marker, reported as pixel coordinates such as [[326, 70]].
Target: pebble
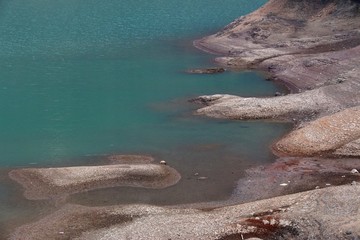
[[354, 171], [163, 162], [202, 178], [283, 184], [196, 174], [328, 184]]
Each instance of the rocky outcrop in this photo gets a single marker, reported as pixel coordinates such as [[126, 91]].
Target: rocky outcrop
[[323, 136], [288, 27], [206, 70], [307, 104]]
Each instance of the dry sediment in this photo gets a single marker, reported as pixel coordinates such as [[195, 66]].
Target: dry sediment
[[319, 214]]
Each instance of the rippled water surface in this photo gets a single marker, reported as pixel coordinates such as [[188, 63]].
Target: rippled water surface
[[84, 78]]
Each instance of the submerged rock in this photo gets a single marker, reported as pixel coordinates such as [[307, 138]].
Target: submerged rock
[[206, 70]]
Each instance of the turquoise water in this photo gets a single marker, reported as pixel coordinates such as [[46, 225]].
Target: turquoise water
[[58, 111], [83, 79]]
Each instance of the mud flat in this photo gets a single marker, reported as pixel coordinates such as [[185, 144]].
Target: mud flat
[[291, 175], [50, 183]]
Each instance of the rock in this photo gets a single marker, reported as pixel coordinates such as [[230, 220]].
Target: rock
[[354, 171], [163, 162], [206, 70], [323, 135], [207, 100], [202, 178]]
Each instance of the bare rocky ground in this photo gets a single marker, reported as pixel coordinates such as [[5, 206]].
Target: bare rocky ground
[[319, 214], [313, 48]]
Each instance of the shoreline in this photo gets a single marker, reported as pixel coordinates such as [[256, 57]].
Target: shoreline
[[201, 45], [318, 213]]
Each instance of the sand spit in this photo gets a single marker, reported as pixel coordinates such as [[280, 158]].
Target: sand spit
[[287, 107], [318, 214], [50, 183]]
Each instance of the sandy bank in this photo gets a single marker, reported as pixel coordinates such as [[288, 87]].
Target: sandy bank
[[46, 183]]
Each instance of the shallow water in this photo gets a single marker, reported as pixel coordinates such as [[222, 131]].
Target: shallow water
[[81, 79]]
